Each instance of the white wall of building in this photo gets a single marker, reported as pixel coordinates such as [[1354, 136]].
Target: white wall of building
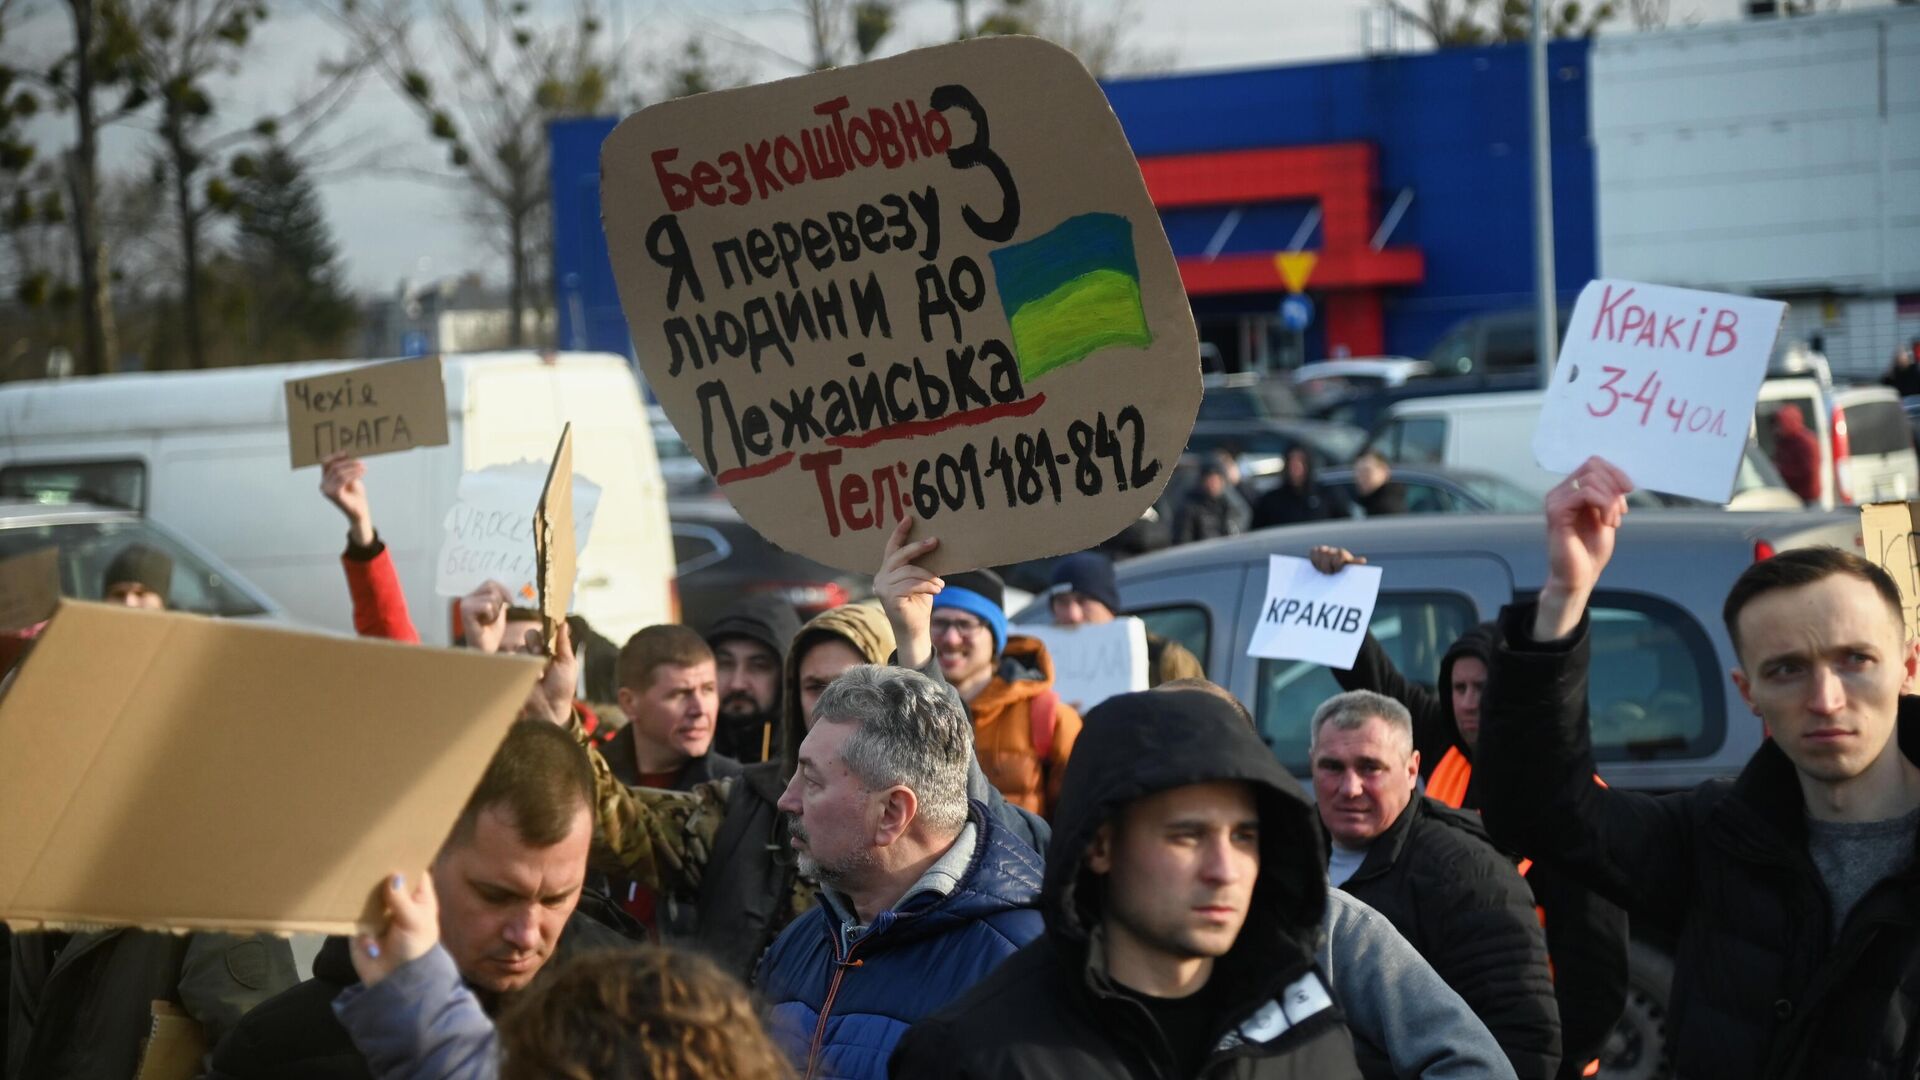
[[1779, 157]]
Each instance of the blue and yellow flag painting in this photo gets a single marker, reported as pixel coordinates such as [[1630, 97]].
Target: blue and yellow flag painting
[[1071, 291]]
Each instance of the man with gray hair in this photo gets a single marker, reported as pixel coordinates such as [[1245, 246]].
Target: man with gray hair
[[1431, 870], [922, 892]]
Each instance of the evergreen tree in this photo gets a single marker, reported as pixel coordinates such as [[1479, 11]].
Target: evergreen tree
[[287, 254]]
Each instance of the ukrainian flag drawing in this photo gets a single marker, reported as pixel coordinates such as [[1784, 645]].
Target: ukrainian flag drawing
[[1071, 291]]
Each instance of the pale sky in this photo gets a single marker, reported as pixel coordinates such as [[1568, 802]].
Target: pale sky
[[391, 228]]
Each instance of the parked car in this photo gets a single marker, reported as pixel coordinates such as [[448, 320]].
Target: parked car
[[90, 537], [1866, 446], [1491, 342], [1364, 411], [1248, 396], [1666, 714], [1494, 433], [681, 471], [1262, 445], [718, 558], [1322, 384], [1435, 490]]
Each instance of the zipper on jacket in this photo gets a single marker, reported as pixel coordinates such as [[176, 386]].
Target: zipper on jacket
[[826, 1007]]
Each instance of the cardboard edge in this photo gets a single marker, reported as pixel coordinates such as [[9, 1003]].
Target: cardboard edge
[[52, 921]]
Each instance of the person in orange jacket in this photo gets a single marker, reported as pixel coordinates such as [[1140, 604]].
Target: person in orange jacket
[[1022, 732]]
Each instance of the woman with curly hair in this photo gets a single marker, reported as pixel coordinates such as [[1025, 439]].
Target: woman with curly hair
[[648, 1013], [654, 1013]]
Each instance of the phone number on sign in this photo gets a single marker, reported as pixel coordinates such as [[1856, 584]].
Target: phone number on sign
[[1024, 469]]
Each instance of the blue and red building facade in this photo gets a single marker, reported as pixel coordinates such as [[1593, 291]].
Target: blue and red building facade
[[1408, 176]]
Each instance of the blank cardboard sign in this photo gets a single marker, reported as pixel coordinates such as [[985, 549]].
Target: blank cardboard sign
[[931, 285], [377, 409], [553, 540], [175, 772]]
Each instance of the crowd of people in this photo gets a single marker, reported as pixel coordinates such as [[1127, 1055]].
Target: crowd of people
[[877, 844]]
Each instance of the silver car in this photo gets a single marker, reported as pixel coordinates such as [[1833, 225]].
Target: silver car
[[1665, 712], [89, 537]]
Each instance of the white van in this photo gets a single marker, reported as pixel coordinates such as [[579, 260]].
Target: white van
[[1866, 447], [205, 453], [1494, 433]]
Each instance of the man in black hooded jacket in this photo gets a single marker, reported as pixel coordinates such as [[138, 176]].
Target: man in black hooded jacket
[[1183, 896], [749, 642], [1586, 934]]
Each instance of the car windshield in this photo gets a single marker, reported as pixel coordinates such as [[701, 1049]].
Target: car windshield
[[87, 547], [1267, 400], [1501, 496]]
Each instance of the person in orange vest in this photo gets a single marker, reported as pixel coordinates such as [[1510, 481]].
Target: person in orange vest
[[1022, 731], [1586, 935]]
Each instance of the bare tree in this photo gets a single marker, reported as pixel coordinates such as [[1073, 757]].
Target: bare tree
[[181, 47], [96, 59], [1648, 14], [501, 73]]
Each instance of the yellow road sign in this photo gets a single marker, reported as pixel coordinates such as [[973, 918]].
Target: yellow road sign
[[1295, 268]]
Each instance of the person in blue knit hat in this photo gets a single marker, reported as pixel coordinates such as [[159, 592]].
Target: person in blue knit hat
[[1086, 594], [1022, 732]]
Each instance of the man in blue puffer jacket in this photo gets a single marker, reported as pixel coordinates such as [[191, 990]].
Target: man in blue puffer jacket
[[922, 892]]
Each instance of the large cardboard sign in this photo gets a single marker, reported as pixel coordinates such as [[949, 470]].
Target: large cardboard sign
[[176, 772], [553, 541], [490, 530], [1092, 663], [1308, 615], [931, 285], [377, 409], [1887, 535], [29, 588], [1661, 382]]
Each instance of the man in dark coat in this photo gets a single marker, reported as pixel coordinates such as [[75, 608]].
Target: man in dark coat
[[1299, 496], [1204, 513], [922, 891], [1586, 934], [1183, 899], [1790, 892], [1433, 873], [749, 642], [509, 880], [1374, 489]]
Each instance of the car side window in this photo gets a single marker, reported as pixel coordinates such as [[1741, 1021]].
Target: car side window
[[1422, 440], [1877, 427], [119, 484], [1415, 629], [1655, 692], [1184, 623]]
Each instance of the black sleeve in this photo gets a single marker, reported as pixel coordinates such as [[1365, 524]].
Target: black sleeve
[[364, 554], [1535, 776], [1489, 947], [1373, 670], [1587, 939], [928, 1049]]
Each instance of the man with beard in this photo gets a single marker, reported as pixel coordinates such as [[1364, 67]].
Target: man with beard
[[749, 645]]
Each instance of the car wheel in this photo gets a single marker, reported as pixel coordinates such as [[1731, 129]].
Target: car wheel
[[1637, 1048]]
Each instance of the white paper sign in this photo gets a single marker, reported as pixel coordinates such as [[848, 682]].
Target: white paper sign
[[1661, 382], [1093, 663], [489, 531], [1308, 615]]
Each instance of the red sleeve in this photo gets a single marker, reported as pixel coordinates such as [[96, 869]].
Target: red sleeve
[[379, 607]]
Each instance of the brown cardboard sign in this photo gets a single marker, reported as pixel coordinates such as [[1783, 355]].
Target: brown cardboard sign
[[931, 286], [377, 409], [29, 588], [553, 540], [1887, 535], [170, 771]]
